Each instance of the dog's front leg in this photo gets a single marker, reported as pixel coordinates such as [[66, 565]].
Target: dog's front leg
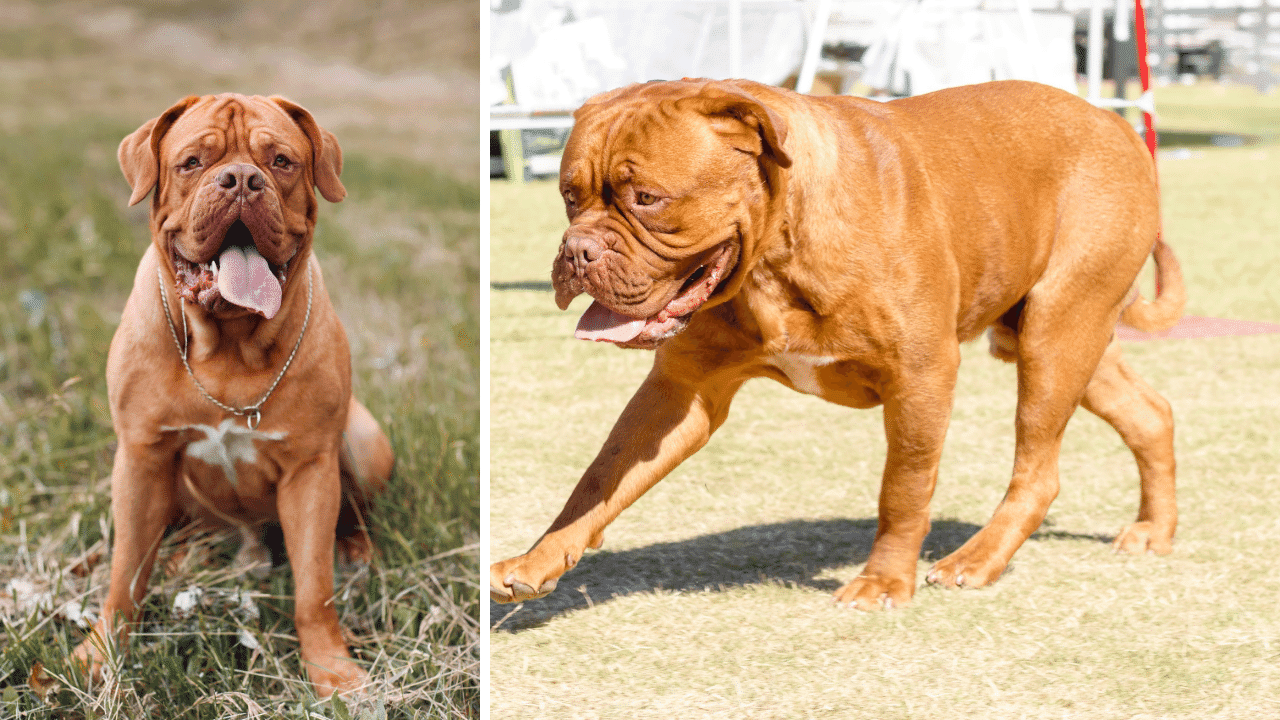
[[917, 411], [670, 417], [142, 505], [308, 502]]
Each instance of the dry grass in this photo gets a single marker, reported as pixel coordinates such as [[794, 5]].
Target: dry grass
[[711, 597], [401, 259]]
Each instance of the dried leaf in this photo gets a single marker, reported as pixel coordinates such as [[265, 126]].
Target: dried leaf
[[41, 684]]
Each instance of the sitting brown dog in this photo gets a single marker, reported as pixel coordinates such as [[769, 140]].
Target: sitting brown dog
[[230, 376], [845, 248]]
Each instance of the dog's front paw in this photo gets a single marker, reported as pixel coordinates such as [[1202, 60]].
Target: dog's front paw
[[873, 592], [1143, 537], [94, 651], [530, 576], [337, 673], [87, 658], [967, 567]]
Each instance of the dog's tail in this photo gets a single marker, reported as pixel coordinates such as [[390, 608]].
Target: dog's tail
[[1171, 295]]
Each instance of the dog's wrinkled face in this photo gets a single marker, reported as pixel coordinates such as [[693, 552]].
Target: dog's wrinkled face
[[234, 208], [658, 181]]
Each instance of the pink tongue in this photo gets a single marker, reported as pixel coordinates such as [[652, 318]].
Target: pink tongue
[[601, 324], [245, 279]]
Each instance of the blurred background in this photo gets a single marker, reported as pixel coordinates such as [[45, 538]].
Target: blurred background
[[549, 56], [397, 83]]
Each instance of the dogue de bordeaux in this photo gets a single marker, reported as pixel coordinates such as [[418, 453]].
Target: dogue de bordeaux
[[229, 377], [845, 248]]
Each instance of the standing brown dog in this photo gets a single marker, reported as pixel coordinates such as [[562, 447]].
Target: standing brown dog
[[845, 248], [230, 376]]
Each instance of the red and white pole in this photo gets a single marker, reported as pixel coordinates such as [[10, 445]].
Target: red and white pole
[[1144, 71], [1149, 105]]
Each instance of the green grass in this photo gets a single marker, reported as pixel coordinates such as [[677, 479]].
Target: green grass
[[711, 596], [401, 260], [1211, 107]]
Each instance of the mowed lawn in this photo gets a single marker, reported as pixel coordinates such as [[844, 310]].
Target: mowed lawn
[[401, 260], [712, 594]]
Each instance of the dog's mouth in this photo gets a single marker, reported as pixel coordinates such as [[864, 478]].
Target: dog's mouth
[[601, 324], [238, 277]]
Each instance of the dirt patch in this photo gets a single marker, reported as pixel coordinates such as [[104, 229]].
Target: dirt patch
[[1192, 326]]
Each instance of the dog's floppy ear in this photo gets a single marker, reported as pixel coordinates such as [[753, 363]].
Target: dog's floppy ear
[[766, 130], [139, 152], [326, 154]]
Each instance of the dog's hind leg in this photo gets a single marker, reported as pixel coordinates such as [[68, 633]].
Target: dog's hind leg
[[1145, 423], [253, 557], [367, 456], [1060, 342], [365, 465]]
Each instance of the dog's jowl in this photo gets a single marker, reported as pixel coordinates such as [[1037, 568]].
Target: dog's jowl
[[845, 248]]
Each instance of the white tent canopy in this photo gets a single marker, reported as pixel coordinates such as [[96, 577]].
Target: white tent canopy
[[928, 46], [561, 52]]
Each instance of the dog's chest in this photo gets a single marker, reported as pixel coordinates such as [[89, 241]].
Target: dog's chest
[[833, 380], [802, 370], [230, 450]]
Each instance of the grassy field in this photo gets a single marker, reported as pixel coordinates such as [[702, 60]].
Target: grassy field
[[711, 597], [397, 83]]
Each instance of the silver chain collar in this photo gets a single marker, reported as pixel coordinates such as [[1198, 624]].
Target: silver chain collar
[[252, 414]]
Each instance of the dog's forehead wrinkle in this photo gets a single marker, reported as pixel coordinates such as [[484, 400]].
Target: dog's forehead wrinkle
[[264, 140], [567, 176], [619, 135], [209, 139], [240, 137], [176, 147], [241, 116]]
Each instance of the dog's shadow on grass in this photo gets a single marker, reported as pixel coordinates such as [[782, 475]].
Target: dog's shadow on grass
[[790, 553]]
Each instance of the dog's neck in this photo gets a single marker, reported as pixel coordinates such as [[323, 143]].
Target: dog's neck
[[258, 343]]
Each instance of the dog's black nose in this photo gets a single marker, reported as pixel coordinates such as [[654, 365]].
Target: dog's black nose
[[582, 249], [248, 178]]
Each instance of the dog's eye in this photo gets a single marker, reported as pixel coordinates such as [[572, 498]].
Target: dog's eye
[[192, 163], [281, 161], [644, 198]]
